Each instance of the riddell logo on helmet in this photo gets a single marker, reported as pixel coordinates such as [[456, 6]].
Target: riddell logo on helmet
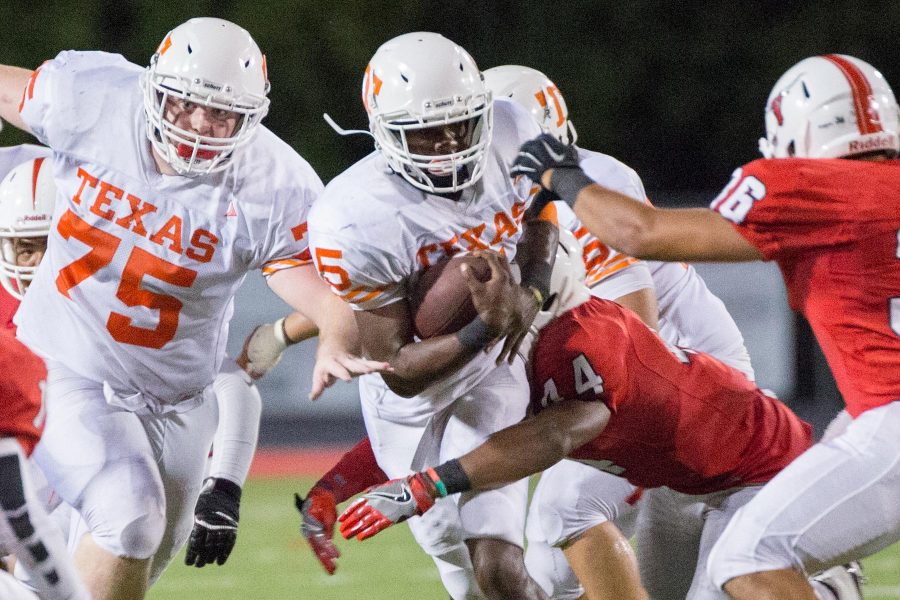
[[212, 86], [876, 143], [443, 103], [36, 218]]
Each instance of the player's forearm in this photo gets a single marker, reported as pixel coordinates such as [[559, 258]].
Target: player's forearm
[[354, 473], [534, 444], [299, 327], [337, 327], [536, 253], [417, 365], [680, 234], [12, 84], [615, 219], [234, 445]]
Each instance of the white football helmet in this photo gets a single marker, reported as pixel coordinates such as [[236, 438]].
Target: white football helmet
[[421, 80], [567, 288], [214, 63], [532, 90], [831, 106], [27, 197]]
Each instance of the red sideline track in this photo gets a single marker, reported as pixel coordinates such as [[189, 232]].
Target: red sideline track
[[273, 462]]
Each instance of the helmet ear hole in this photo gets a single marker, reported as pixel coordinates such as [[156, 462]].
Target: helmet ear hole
[[790, 150]]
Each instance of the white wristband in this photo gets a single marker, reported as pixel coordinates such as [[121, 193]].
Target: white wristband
[[280, 334]]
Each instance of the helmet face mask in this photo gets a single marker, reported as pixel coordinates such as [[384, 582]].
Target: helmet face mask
[[831, 106], [213, 64], [416, 88], [534, 92], [27, 198]]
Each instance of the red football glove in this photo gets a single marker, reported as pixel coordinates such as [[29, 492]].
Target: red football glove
[[386, 504], [319, 511]]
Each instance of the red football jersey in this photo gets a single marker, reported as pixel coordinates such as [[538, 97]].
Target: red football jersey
[[8, 308], [21, 414], [679, 419], [833, 227]]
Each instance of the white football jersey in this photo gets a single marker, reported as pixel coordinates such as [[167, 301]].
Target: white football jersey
[[610, 273], [370, 232], [690, 315], [13, 156], [137, 285]]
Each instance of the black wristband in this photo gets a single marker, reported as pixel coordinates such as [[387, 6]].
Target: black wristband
[[475, 335], [568, 182], [453, 477], [223, 485]]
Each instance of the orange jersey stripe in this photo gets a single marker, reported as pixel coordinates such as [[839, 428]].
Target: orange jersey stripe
[[607, 269], [285, 263]]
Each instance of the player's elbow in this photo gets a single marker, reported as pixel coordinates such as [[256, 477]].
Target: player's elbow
[[556, 444], [404, 388]]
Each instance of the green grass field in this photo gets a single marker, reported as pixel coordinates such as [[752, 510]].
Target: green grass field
[[271, 561]]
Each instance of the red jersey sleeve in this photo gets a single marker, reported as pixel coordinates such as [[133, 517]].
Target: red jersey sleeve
[[786, 206], [21, 407], [8, 308], [355, 472]]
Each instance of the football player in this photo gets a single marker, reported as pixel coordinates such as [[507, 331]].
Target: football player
[[170, 191], [25, 529], [606, 390], [438, 185], [27, 198], [583, 501], [823, 205], [574, 504]]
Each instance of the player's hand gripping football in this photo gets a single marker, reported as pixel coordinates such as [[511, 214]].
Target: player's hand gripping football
[[215, 523], [319, 513], [388, 504], [505, 307]]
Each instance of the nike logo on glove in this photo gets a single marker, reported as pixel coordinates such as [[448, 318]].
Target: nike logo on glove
[[400, 498], [553, 155]]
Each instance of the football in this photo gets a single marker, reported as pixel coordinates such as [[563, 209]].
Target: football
[[439, 299]]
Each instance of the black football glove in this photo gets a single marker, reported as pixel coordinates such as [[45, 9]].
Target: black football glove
[[542, 153], [215, 523]]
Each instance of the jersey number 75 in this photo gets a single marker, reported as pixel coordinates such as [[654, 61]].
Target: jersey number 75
[[140, 263]]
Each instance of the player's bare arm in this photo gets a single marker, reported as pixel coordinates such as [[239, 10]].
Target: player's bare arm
[[687, 234], [546, 439], [338, 353], [12, 84], [387, 332], [509, 455], [642, 303], [387, 335], [535, 254]]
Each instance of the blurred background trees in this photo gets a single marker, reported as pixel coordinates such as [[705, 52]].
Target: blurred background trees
[[674, 89]]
